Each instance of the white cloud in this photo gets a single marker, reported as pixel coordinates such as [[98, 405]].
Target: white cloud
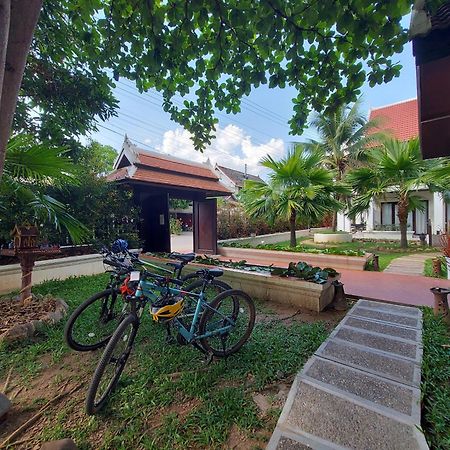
[[232, 148]]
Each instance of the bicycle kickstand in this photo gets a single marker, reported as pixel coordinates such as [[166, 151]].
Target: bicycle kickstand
[[169, 337]]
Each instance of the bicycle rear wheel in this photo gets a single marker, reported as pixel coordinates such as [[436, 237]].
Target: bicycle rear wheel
[[111, 364], [212, 290], [232, 318], [92, 324]]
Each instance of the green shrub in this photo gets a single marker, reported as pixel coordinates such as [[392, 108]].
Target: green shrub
[[176, 226]]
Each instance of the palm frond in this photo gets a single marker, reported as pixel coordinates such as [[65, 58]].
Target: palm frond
[[49, 210], [29, 161]]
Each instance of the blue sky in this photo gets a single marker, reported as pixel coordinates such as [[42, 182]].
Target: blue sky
[[244, 138]]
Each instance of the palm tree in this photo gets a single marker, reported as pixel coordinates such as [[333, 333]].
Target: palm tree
[[298, 186], [394, 167], [344, 138], [30, 169]]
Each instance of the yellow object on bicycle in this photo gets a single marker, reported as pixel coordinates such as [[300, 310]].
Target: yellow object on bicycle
[[168, 312]]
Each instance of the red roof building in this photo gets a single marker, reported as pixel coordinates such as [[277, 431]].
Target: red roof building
[[154, 178], [400, 120], [156, 169]]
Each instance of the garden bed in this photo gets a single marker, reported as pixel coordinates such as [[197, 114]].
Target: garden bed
[[282, 257]]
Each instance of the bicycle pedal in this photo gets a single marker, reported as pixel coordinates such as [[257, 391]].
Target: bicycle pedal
[[208, 358], [170, 340]]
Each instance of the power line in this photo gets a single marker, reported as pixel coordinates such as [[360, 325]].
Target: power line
[[268, 114], [179, 103]]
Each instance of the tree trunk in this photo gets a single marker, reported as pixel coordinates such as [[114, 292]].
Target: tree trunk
[[334, 221], [23, 16], [293, 240], [403, 220], [5, 15]]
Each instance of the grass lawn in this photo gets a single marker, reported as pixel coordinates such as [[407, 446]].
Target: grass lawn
[[436, 381], [387, 250], [167, 398], [428, 269]]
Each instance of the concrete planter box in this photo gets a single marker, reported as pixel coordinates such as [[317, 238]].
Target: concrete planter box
[[282, 259], [263, 286], [382, 235], [323, 238], [273, 238]]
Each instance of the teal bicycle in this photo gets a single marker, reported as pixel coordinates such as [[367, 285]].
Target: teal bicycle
[[217, 327]]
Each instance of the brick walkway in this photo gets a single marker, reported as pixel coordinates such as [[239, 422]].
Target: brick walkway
[[361, 389], [388, 287], [410, 264]]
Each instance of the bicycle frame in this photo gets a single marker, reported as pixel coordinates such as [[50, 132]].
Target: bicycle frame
[[147, 289]]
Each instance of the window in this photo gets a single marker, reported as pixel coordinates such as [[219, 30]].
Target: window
[[417, 220]]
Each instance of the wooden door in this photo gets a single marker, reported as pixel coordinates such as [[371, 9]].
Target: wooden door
[[205, 226]]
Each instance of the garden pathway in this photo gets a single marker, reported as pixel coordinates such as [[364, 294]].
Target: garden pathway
[[388, 287], [361, 388], [410, 264], [183, 243]]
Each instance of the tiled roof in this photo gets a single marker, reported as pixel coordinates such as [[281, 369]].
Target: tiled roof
[[118, 174], [166, 171], [164, 162], [400, 120], [238, 177], [179, 180]]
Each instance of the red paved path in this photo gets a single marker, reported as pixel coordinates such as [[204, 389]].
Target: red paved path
[[389, 287]]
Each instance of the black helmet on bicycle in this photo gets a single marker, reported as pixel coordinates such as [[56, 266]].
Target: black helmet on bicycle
[[119, 246]]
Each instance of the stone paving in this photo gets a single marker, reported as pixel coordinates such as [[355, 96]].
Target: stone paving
[[410, 264], [361, 388]]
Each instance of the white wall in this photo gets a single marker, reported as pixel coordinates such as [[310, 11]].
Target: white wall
[[60, 268]]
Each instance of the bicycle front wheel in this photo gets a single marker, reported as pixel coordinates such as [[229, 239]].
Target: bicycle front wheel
[[230, 320], [92, 324], [111, 364]]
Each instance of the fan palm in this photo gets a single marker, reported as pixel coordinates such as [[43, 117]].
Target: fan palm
[[298, 186], [394, 167], [344, 136], [30, 169]]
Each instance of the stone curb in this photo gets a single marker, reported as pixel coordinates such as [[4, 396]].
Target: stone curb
[[27, 330]]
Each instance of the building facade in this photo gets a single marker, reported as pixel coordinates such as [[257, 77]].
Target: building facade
[[399, 120]]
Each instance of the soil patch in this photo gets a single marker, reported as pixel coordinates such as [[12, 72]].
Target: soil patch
[[289, 314], [16, 312], [28, 397]]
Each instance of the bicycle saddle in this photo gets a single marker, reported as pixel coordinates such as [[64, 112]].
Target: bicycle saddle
[[185, 257], [213, 273]]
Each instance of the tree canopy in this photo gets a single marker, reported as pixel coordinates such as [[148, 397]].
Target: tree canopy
[[216, 52], [63, 91], [298, 186]]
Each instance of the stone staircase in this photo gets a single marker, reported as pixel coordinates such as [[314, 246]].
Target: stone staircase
[[361, 389]]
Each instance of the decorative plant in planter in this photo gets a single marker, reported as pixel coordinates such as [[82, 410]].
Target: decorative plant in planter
[[445, 241], [306, 272], [301, 270]]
